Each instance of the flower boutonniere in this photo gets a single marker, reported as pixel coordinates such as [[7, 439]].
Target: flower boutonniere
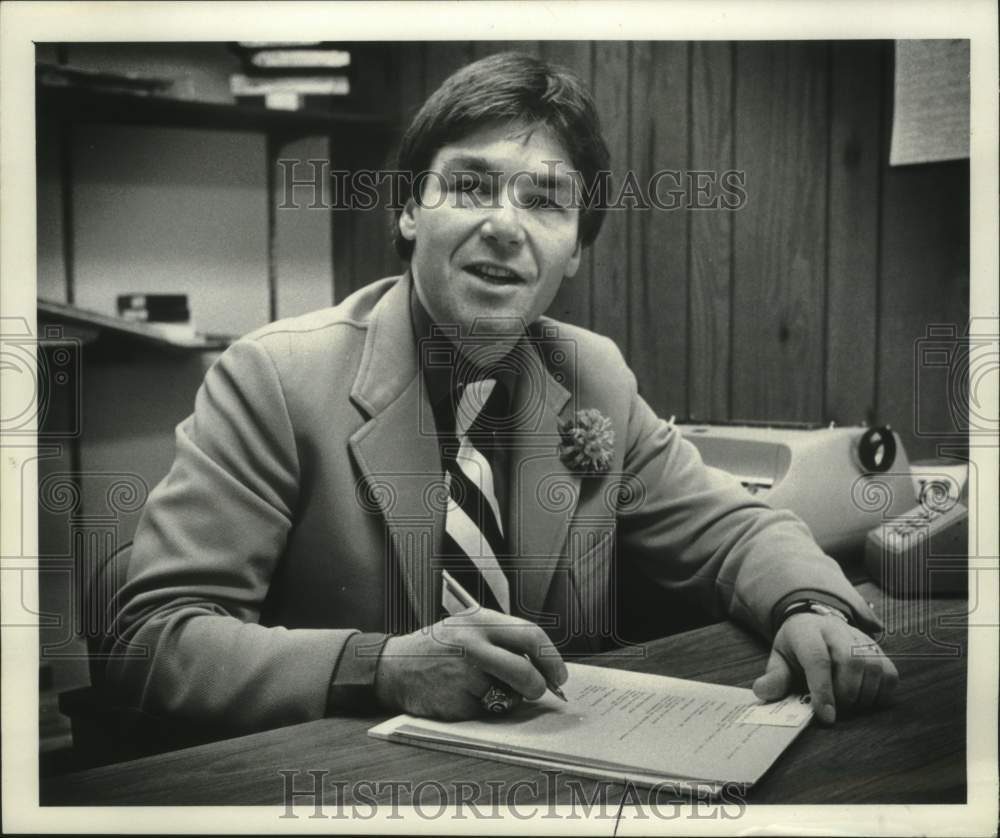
[[588, 441]]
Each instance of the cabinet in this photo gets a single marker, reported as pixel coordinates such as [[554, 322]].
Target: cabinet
[[142, 193]]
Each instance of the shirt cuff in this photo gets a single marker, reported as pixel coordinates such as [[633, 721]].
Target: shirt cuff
[[352, 684], [778, 613]]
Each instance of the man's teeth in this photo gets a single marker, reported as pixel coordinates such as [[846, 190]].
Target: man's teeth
[[493, 272]]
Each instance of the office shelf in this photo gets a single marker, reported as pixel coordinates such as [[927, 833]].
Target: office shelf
[[76, 104], [90, 326]]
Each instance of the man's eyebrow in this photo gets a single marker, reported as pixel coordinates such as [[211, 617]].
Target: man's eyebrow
[[481, 165]]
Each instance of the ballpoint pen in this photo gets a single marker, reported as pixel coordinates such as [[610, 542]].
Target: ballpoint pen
[[468, 601]]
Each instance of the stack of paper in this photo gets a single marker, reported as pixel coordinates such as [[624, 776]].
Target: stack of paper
[[619, 725]]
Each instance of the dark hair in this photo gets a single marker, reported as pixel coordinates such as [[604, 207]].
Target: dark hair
[[511, 87]]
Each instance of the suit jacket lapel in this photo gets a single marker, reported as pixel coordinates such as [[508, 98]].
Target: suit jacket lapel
[[397, 453], [543, 492]]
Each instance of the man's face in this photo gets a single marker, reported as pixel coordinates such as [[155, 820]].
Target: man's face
[[496, 232]]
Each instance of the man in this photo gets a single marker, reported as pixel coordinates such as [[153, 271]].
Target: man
[[292, 564]]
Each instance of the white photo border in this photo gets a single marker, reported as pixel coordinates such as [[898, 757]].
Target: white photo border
[[22, 23]]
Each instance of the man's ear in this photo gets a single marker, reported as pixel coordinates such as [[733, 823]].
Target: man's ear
[[408, 221], [573, 265]]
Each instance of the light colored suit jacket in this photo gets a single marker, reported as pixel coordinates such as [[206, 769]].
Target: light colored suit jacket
[[305, 503]]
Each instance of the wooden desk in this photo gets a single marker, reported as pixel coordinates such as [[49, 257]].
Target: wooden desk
[[913, 752]]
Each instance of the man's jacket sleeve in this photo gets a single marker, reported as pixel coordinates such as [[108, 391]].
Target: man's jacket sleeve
[[700, 534], [187, 643]]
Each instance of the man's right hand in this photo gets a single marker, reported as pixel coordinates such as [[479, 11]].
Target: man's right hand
[[444, 670]]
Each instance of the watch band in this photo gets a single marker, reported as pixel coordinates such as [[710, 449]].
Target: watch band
[[812, 606]]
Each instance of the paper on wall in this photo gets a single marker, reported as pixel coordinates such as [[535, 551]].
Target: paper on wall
[[931, 109]]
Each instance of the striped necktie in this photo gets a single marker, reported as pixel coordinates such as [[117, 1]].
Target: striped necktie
[[473, 535]]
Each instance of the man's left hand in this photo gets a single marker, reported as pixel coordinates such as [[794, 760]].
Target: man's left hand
[[842, 666]]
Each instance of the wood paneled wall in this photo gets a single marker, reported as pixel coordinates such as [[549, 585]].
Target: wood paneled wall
[[805, 304]]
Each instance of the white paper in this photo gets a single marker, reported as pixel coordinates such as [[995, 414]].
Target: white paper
[[624, 722], [931, 109], [793, 711]]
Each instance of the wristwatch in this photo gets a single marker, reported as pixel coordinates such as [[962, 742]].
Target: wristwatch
[[812, 606]]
